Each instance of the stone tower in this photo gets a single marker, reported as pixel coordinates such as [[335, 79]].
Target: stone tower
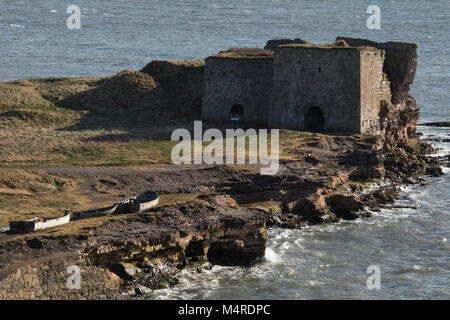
[[327, 88]]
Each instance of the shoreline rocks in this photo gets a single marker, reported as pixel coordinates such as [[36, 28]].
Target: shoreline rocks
[[135, 255]]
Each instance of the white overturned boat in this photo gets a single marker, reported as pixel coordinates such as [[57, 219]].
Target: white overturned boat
[[37, 224]]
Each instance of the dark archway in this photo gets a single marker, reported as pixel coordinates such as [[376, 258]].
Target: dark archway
[[237, 111], [314, 120], [236, 115]]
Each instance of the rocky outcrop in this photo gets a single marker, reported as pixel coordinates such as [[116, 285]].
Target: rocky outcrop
[[50, 279], [399, 122], [312, 209], [183, 233], [445, 124], [345, 206], [323, 206], [133, 255]]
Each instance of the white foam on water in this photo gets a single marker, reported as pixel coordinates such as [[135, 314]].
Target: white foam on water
[[440, 151], [442, 148], [419, 268], [314, 283], [298, 243], [271, 256], [389, 215], [285, 247], [375, 186]]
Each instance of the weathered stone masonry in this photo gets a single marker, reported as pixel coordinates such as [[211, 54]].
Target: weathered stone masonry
[[238, 79], [314, 77], [335, 87]]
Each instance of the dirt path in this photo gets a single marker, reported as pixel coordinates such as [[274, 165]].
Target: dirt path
[[83, 171]]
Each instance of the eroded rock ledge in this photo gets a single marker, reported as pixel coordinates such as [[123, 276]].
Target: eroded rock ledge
[[133, 254]]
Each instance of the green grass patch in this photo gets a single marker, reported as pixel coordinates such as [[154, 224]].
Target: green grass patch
[[44, 116]]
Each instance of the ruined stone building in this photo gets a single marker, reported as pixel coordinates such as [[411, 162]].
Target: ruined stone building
[[339, 87]]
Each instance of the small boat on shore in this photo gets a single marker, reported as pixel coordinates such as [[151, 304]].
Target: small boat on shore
[[92, 213], [135, 204], [139, 202], [4, 230], [146, 201], [37, 224]]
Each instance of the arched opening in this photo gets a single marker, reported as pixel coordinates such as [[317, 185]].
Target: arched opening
[[314, 120], [236, 114], [237, 111]]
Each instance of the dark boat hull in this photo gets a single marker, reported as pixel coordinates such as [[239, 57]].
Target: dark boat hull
[[95, 213]]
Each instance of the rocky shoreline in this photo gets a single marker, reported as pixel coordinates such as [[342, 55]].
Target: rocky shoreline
[[225, 214], [129, 257]]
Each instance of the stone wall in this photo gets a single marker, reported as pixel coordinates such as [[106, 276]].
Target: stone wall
[[400, 64], [374, 90], [399, 113], [328, 78], [242, 81], [353, 83]]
